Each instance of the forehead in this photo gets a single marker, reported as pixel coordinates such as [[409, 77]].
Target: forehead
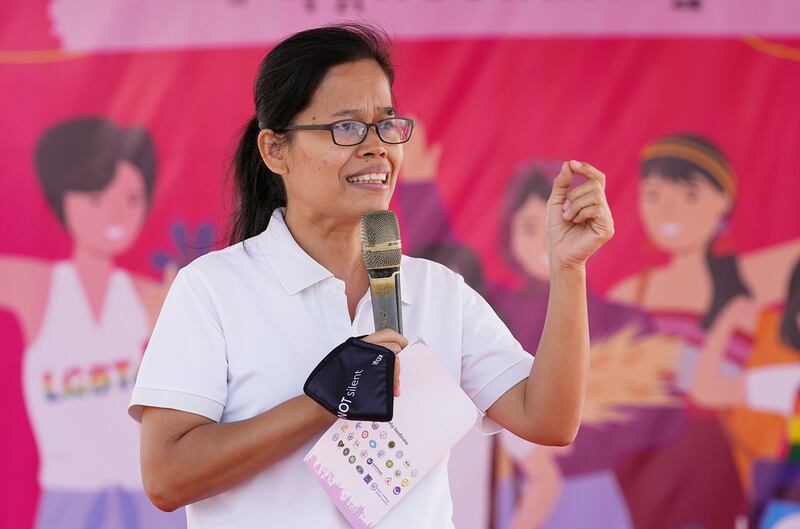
[[533, 207], [361, 86], [696, 180], [127, 175]]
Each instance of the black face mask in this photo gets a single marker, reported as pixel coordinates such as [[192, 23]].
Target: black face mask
[[355, 381]]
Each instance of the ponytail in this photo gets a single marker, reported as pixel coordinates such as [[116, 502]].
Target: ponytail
[[727, 283], [790, 333], [257, 190]]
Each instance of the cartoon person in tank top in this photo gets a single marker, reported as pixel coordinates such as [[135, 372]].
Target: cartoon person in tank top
[[687, 191], [85, 322], [686, 195]]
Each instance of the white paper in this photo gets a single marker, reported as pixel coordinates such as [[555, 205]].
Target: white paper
[[367, 468]]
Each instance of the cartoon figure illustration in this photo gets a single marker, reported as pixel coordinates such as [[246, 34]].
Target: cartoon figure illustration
[[85, 322], [587, 468], [628, 372], [763, 400], [771, 380], [687, 193], [523, 246], [522, 239]]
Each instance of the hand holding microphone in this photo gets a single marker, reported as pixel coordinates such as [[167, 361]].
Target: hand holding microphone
[[393, 341], [359, 379]]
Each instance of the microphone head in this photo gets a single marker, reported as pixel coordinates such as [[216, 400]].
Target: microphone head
[[380, 240]]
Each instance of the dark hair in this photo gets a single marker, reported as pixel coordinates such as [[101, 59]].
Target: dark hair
[[286, 81], [680, 170], [727, 282], [790, 334], [531, 179], [82, 155], [458, 258]]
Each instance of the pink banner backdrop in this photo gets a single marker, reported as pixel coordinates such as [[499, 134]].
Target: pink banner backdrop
[[691, 417], [150, 24]]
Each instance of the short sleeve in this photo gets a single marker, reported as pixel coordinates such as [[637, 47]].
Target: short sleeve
[[184, 365], [492, 360]]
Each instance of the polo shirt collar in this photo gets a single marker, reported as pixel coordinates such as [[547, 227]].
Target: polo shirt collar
[[295, 269]]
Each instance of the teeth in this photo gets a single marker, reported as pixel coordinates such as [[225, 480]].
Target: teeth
[[115, 232], [368, 178], [671, 229]]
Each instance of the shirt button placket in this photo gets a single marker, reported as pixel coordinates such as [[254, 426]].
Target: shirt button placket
[[336, 309]]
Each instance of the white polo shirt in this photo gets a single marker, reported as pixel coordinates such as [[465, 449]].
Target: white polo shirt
[[243, 327]]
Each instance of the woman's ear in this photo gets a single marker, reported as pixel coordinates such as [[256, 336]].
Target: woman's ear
[[270, 145], [728, 208]]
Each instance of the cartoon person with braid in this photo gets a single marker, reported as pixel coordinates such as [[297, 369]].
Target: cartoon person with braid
[[687, 193]]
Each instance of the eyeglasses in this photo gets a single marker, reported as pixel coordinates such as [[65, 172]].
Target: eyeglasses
[[349, 132]]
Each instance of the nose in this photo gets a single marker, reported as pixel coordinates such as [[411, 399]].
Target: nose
[[372, 146], [667, 206], [117, 212]]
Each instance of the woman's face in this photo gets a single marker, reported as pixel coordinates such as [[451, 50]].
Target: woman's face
[[681, 216], [108, 220], [529, 237], [320, 175]]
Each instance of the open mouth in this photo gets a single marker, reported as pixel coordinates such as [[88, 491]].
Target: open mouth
[[371, 178], [670, 229]]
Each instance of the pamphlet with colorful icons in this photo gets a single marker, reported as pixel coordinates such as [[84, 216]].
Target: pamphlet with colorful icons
[[369, 467]]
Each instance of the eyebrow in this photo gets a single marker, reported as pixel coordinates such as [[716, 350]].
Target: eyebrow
[[354, 111], [693, 183]]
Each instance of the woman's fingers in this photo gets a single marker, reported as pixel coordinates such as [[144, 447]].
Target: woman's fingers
[[395, 342], [561, 185], [393, 346], [589, 187], [589, 171], [587, 213], [387, 336], [595, 198]]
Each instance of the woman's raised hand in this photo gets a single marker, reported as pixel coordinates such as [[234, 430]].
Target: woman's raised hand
[[579, 220]]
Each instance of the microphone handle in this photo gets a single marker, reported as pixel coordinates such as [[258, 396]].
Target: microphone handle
[[384, 287]]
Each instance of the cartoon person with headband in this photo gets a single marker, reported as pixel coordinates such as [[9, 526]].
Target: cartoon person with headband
[[687, 192]]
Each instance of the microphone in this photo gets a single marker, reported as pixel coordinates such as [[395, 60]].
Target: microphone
[[381, 248]]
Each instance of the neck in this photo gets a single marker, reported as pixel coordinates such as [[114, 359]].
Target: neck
[[90, 261], [333, 243], [690, 260]]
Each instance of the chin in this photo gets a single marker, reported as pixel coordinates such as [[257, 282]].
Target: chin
[[372, 205], [675, 246], [665, 246], [113, 248]]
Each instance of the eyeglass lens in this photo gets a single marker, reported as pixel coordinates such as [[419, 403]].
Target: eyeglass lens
[[352, 132]]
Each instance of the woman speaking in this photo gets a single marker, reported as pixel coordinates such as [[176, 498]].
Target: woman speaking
[[225, 423]]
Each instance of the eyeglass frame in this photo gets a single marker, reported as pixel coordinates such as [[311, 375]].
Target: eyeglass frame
[[329, 127]]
